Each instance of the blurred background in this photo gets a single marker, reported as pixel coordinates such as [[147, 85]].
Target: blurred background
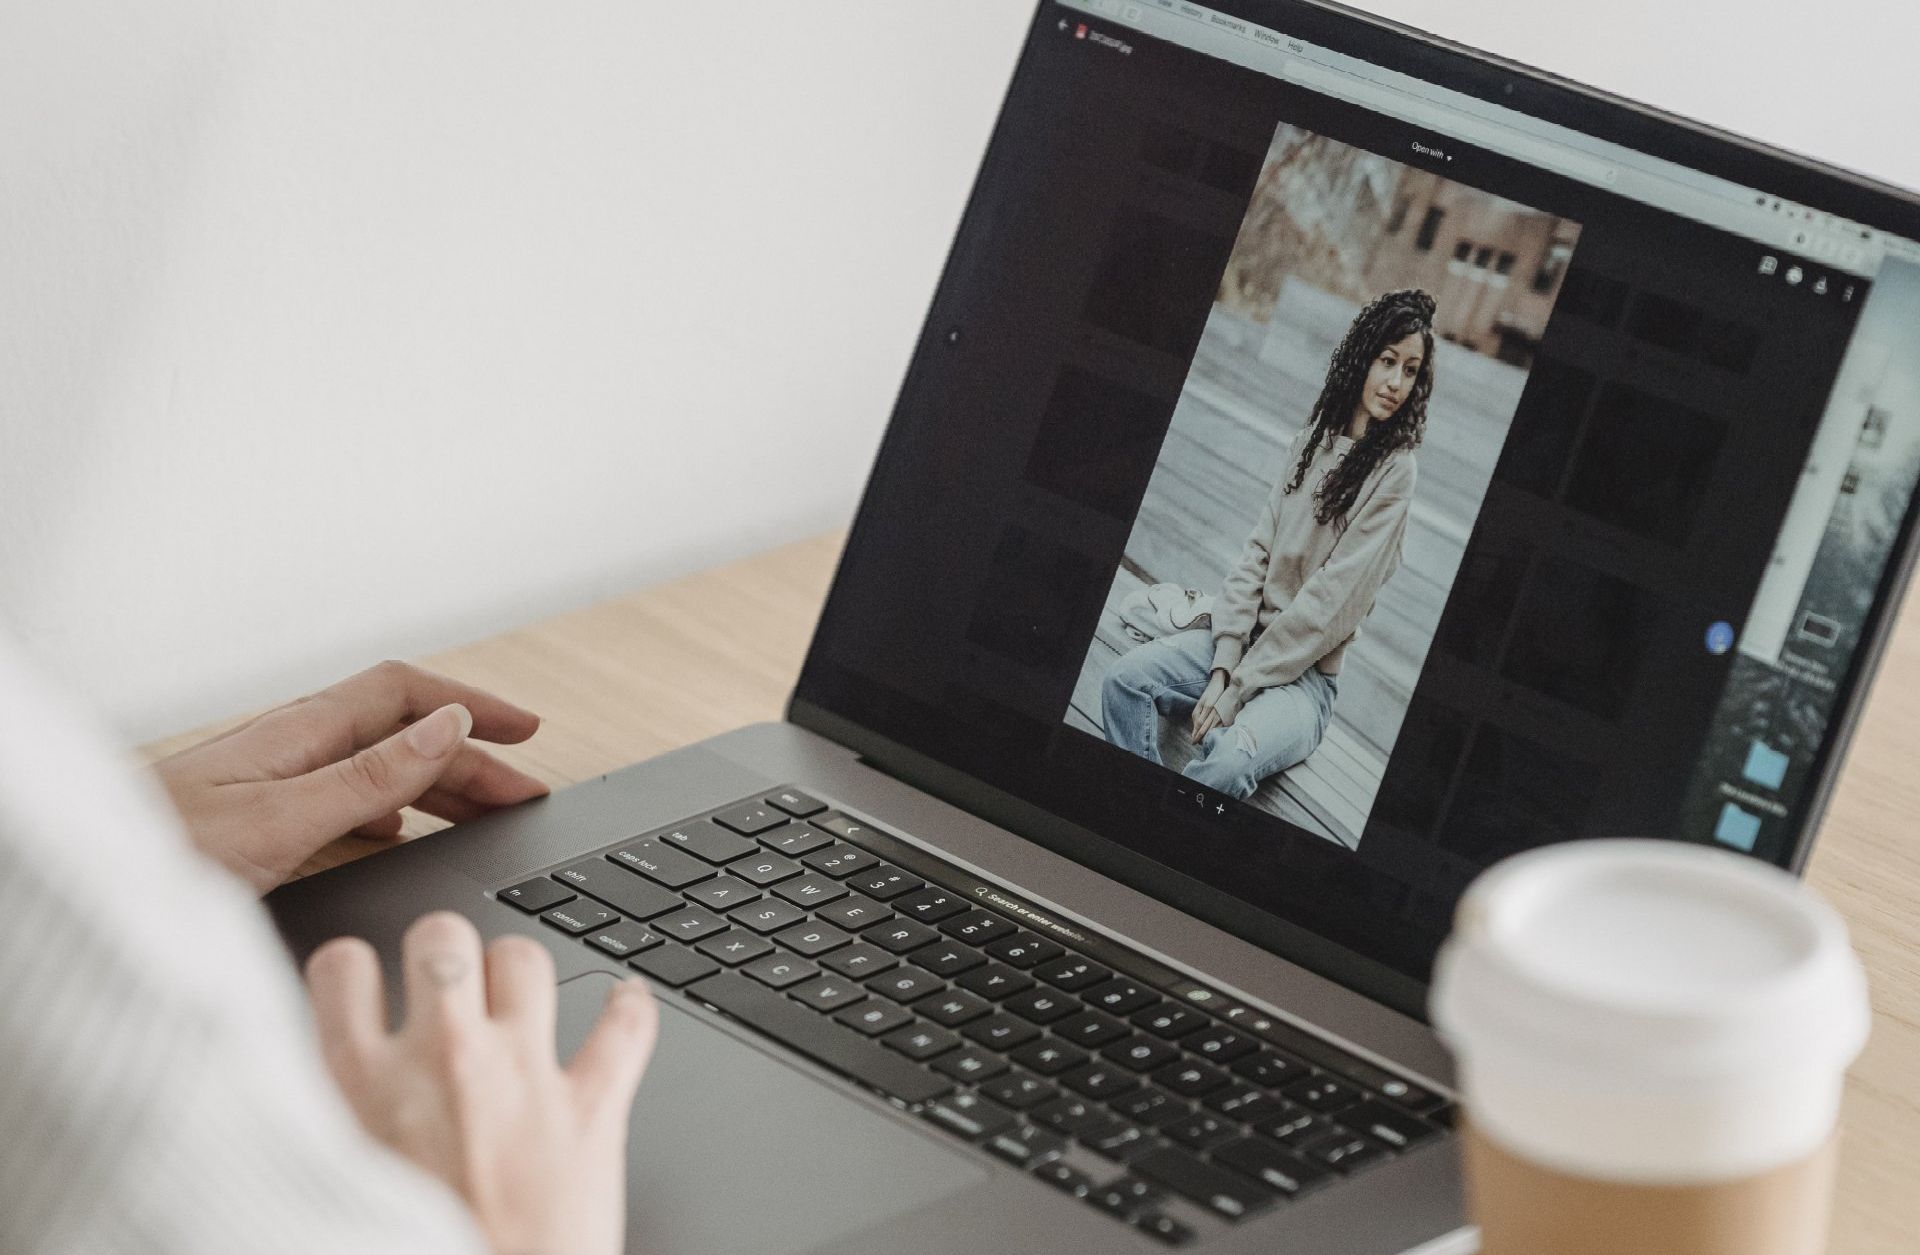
[[335, 332]]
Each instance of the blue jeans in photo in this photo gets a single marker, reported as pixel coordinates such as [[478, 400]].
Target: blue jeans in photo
[[1276, 729]]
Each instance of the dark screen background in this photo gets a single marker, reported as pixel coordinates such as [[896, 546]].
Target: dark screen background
[[1568, 689]]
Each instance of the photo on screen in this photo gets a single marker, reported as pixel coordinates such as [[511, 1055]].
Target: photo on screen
[[1328, 457]]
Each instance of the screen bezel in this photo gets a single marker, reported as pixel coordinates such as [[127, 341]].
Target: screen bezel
[[1545, 97]]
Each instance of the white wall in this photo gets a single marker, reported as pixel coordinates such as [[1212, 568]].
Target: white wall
[[333, 331]]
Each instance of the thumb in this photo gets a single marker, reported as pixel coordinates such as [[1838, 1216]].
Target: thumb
[[382, 778]]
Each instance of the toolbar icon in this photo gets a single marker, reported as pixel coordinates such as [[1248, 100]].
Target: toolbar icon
[[1769, 265], [1794, 275]]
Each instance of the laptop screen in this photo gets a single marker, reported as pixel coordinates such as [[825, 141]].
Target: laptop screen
[[1321, 479]]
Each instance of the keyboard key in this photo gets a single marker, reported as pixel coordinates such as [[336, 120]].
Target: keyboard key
[[1152, 1106], [1244, 1104], [779, 970], [1123, 1141], [1387, 1124], [1219, 1044], [833, 1045], [953, 1007], [828, 993], [708, 840], [1027, 1146], [1227, 1193], [930, 905], [735, 946], [1041, 1006], [630, 895], [795, 839], [1118, 996], [1191, 1080], [859, 960], [854, 912], [996, 981], [795, 803], [1322, 1093], [845, 826], [875, 1016], [1141, 1053], [536, 895], [752, 818], [1020, 1091], [970, 1063], [947, 958], [1159, 1225], [1100, 1080], [1049, 1057], [1345, 1152], [1064, 1178], [768, 916], [723, 893], [920, 1041], [764, 869], [906, 984], [1270, 1070], [690, 925], [1295, 1126], [1170, 1020], [884, 882], [970, 1115], [901, 935], [1071, 973], [977, 928], [840, 860], [1089, 1029], [812, 938], [1200, 1130], [623, 939], [1125, 1197], [810, 890], [1023, 950], [1268, 1164], [673, 965], [577, 917], [1002, 1032], [1078, 1118], [671, 867]]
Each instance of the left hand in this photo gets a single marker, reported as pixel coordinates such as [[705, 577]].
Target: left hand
[[263, 798], [1206, 712]]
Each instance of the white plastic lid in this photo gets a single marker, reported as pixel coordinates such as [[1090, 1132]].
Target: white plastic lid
[[1639, 989]]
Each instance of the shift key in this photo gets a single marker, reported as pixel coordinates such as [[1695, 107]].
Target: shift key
[[623, 891], [670, 866]]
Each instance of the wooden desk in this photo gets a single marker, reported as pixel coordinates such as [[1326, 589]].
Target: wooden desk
[[668, 666]]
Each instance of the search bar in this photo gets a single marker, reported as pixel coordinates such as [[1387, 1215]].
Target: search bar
[[1462, 126]]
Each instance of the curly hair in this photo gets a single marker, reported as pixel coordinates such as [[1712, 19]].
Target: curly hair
[[1387, 320]]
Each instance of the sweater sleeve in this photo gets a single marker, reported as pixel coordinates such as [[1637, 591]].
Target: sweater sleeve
[[1336, 598], [1238, 605], [163, 1094]]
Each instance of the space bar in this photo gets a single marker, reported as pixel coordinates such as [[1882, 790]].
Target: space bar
[[819, 1039]]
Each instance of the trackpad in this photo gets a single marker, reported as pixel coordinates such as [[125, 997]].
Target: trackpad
[[734, 1151]]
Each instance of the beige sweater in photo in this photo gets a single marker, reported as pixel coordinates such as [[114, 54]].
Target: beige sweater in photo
[[1308, 585]]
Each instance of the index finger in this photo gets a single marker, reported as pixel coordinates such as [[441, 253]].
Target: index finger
[[390, 693]]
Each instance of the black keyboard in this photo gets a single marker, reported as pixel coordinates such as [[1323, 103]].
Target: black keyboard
[[1104, 1073]]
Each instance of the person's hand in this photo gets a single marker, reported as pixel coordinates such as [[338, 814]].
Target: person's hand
[[469, 1088], [1206, 712], [264, 797]]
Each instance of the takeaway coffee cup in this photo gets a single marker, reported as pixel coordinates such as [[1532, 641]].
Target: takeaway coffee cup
[[1652, 1039]]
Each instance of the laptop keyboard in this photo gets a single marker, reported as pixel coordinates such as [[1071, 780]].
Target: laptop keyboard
[[1108, 1076]]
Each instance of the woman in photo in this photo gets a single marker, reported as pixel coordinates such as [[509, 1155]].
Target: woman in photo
[[1256, 689]]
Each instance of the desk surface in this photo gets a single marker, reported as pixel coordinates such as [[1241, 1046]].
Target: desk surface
[[655, 670]]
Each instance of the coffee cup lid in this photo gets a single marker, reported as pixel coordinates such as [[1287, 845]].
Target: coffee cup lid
[[1646, 965]]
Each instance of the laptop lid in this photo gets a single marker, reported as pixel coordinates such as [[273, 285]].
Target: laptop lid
[[1526, 465]]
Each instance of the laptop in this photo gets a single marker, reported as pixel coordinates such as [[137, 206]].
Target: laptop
[[1334, 461]]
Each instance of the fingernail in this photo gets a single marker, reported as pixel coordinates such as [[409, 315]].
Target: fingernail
[[437, 734]]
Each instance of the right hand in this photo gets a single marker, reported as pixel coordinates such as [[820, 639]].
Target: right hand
[[470, 1089], [1206, 716]]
